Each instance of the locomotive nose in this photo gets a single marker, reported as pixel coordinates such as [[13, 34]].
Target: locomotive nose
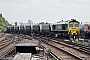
[[73, 31]]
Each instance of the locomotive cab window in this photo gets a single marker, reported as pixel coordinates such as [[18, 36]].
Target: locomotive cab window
[[76, 25], [63, 27], [70, 25]]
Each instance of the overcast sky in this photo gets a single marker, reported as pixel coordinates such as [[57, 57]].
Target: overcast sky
[[45, 10]]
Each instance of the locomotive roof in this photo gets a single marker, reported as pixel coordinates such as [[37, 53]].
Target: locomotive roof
[[73, 21], [62, 22]]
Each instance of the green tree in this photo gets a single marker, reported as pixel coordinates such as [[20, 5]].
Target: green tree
[[46, 23], [6, 23], [3, 23], [41, 23], [0, 15], [9, 24], [1, 27]]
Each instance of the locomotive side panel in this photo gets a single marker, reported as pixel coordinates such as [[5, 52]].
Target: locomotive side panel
[[60, 30], [59, 27]]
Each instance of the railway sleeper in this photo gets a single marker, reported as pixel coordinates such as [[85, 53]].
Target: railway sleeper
[[85, 49], [6, 45], [81, 50], [7, 52]]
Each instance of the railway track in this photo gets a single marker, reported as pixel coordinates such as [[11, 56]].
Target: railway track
[[63, 48], [31, 38], [79, 47], [7, 46], [1, 35], [72, 49], [51, 53], [62, 54], [3, 42]]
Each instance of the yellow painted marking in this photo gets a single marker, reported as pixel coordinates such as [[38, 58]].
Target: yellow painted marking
[[59, 26]]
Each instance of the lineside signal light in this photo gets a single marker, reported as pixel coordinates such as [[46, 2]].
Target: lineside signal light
[[37, 48]]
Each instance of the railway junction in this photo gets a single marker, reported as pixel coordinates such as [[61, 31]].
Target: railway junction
[[16, 46]]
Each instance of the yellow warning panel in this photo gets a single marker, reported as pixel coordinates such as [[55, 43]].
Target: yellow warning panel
[[59, 26]]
